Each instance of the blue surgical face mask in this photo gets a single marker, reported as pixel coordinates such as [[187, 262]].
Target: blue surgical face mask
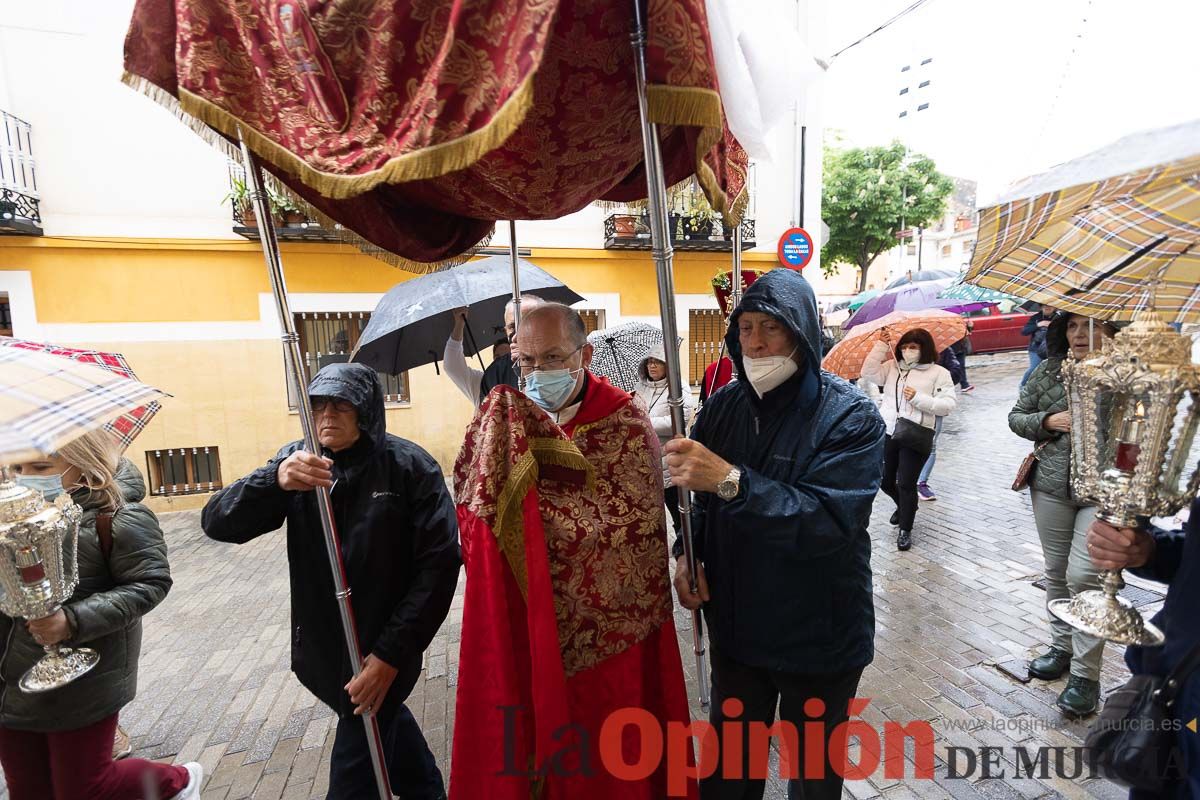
[[51, 486], [550, 389]]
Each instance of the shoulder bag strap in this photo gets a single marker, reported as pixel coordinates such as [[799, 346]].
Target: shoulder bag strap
[[104, 533], [1178, 676]]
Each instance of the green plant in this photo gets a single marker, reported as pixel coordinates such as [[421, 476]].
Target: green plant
[[700, 214], [868, 193], [282, 204], [722, 280], [239, 196]]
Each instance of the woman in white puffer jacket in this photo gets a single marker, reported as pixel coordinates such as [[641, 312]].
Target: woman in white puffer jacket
[[917, 389], [651, 393]]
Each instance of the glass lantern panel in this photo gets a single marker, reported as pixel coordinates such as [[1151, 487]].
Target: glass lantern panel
[[1183, 451], [1109, 412]]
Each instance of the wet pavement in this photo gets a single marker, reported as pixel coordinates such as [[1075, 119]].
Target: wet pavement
[[215, 685]]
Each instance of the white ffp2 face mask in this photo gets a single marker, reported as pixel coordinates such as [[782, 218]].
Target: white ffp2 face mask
[[769, 372], [911, 355]]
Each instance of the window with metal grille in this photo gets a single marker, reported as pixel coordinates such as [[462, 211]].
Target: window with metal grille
[[706, 330], [329, 337], [5, 317], [593, 318], [183, 470]]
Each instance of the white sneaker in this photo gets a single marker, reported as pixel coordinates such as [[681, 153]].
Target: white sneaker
[[195, 778]]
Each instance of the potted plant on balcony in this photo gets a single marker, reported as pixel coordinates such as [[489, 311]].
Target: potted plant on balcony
[[626, 224], [722, 286], [243, 208], [700, 216], [285, 209]]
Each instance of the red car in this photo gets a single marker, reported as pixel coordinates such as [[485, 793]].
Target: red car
[[994, 332]]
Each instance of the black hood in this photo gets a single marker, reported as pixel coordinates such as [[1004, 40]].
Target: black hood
[[788, 297], [359, 385]]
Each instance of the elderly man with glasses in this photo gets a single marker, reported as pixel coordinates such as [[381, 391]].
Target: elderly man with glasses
[[567, 617], [400, 549]]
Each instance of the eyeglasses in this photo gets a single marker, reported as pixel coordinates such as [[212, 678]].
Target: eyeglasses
[[529, 365], [319, 404]]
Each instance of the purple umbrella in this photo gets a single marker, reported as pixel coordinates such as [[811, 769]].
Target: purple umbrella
[[911, 297]]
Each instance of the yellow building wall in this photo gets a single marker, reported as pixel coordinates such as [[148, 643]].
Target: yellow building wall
[[232, 394]]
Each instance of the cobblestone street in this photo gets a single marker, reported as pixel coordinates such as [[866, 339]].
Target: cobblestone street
[[215, 686]]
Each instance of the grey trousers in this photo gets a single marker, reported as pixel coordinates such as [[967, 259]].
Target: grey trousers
[[1062, 526]]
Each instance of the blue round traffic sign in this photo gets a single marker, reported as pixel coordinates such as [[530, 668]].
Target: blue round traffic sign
[[795, 248]]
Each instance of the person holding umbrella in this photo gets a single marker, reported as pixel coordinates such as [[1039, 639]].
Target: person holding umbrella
[[916, 392], [651, 393], [400, 548], [474, 383], [59, 745]]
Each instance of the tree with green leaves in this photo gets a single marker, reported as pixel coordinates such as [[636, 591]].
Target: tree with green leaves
[[872, 193]]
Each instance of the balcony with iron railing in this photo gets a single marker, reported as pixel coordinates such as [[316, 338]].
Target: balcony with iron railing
[[20, 214], [692, 223], [291, 223]]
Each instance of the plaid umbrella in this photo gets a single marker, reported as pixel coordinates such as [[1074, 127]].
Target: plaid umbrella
[[620, 349], [847, 356], [1106, 235], [46, 400]]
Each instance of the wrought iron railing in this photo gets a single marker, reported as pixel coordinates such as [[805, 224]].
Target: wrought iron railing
[[631, 231], [19, 199], [291, 223]]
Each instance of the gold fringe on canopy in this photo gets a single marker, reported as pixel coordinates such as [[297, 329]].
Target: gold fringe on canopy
[[215, 139]]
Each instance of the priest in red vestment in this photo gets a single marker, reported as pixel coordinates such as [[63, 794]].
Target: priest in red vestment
[[567, 616]]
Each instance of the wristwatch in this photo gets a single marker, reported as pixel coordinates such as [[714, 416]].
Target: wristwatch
[[729, 488]]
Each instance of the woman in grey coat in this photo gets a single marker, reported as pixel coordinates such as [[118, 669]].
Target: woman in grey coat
[[1041, 416], [57, 745]]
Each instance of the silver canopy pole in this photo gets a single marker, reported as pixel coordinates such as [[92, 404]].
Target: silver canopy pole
[[516, 271], [295, 370], [516, 298], [663, 257], [735, 285]]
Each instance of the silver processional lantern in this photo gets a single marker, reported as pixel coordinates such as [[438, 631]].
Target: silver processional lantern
[[39, 570], [1134, 406]]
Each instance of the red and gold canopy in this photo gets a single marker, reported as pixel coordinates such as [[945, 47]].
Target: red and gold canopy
[[419, 123]]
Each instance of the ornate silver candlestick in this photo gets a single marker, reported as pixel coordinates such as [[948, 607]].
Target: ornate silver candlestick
[[39, 570]]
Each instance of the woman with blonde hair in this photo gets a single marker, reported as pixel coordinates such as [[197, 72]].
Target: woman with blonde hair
[[57, 745]]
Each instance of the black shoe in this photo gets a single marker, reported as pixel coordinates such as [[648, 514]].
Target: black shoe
[[1051, 665], [1080, 698], [904, 540], [895, 520]]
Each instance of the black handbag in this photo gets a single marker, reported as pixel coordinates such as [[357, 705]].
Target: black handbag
[[1134, 741], [912, 435]]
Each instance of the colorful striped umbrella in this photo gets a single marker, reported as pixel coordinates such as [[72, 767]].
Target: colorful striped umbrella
[[1106, 235], [847, 356], [911, 297], [861, 298], [47, 399]]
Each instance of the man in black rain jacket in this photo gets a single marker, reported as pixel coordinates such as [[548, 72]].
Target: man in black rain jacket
[[399, 543], [785, 464]]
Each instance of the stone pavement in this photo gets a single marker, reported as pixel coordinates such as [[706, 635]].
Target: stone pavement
[[215, 685]]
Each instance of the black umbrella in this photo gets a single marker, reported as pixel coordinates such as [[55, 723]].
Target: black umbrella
[[412, 322]]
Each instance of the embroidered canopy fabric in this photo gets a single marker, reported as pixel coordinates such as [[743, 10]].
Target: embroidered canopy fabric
[[567, 614], [418, 123]]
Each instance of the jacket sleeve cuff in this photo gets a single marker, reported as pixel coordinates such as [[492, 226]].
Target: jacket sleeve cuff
[[266, 477], [72, 623]]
